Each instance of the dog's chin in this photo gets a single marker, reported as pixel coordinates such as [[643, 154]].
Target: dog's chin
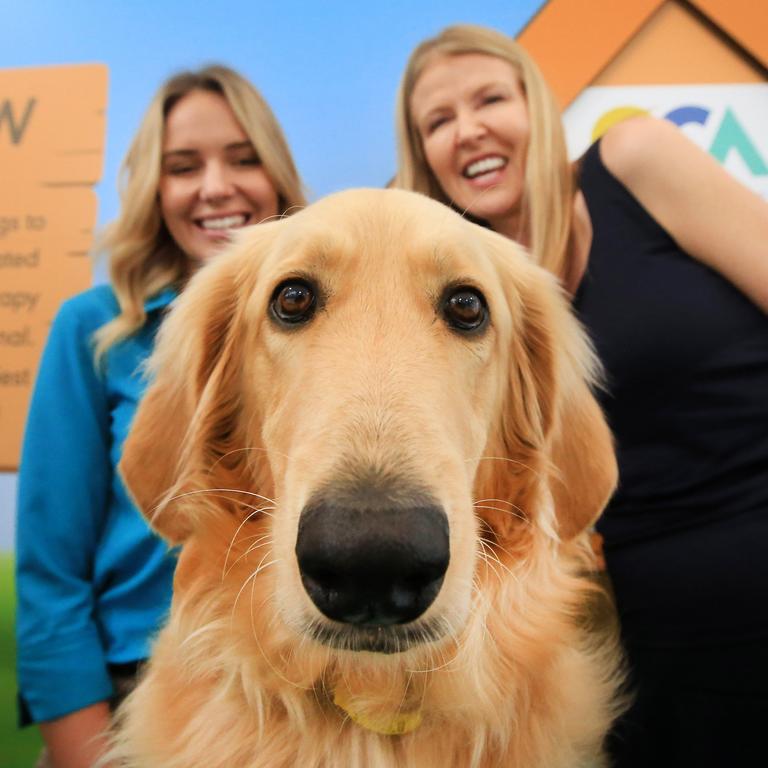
[[376, 639]]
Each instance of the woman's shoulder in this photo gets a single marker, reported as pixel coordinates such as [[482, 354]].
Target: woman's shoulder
[[89, 309], [710, 214], [99, 298], [640, 146], [660, 167]]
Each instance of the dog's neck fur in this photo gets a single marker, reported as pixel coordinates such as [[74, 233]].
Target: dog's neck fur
[[216, 672]]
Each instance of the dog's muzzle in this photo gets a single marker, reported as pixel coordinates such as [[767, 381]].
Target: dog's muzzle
[[372, 566]]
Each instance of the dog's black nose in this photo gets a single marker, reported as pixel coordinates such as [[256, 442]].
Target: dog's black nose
[[372, 567]]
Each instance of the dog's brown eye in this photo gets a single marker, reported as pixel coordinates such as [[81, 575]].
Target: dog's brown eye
[[293, 302], [465, 309]]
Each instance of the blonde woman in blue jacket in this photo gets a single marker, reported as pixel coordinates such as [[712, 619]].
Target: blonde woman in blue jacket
[[93, 581]]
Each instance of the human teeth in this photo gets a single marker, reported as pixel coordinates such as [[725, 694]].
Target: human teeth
[[225, 222], [484, 166]]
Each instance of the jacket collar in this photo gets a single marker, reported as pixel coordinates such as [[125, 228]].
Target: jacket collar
[[161, 300]]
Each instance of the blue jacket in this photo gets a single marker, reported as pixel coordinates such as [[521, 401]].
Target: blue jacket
[[93, 581]]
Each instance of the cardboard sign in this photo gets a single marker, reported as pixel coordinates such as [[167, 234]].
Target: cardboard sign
[[52, 129]]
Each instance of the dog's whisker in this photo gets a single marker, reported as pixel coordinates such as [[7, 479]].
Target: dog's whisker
[[440, 650], [448, 631], [503, 511], [251, 577], [151, 513], [493, 540], [477, 199], [501, 501], [478, 603], [242, 450], [291, 209], [234, 538], [490, 553], [512, 556], [519, 510], [406, 688], [283, 215], [435, 665], [304, 639], [263, 541], [492, 545], [255, 509], [507, 459], [255, 634], [262, 510], [223, 490], [254, 538], [485, 556], [257, 535], [190, 638], [487, 636]]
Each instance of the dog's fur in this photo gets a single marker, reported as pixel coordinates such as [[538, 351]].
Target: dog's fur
[[247, 421]]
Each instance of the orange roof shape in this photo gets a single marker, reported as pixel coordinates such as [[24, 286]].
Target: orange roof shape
[[575, 41]]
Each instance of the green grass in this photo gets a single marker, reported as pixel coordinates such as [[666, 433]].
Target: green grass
[[18, 748]]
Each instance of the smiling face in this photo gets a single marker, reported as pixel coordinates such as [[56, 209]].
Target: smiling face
[[472, 117], [212, 181]]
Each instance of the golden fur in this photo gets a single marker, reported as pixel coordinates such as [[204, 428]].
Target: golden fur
[[246, 420]]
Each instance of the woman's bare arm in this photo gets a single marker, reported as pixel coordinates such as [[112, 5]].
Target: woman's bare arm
[[710, 214]]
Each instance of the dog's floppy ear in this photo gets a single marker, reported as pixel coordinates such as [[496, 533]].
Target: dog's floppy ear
[[550, 408], [584, 471], [191, 370]]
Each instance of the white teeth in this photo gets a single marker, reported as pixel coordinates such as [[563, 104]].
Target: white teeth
[[485, 165], [225, 222]]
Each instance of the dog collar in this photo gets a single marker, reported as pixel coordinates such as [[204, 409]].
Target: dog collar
[[387, 725]]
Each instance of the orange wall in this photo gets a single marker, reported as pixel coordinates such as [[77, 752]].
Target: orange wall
[[578, 43], [674, 46]]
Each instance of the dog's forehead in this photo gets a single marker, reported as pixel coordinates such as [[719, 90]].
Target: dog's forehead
[[382, 232]]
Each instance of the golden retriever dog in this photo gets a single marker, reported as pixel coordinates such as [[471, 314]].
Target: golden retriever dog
[[371, 431]]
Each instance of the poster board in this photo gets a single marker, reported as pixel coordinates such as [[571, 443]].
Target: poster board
[[727, 121], [52, 130]]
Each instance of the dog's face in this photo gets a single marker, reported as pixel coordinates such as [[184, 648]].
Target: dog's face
[[372, 399]]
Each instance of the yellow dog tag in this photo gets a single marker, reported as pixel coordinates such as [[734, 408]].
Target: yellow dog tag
[[388, 725]]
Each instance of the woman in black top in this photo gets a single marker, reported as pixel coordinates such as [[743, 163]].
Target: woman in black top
[[666, 257]]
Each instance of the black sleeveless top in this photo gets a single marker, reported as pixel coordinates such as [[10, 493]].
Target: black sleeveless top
[[686, 360]]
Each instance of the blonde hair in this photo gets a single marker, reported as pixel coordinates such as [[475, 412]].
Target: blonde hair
[[143, 257], [549, 187]]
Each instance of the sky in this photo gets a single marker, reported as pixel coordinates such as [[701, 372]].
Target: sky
[[329, 69]]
